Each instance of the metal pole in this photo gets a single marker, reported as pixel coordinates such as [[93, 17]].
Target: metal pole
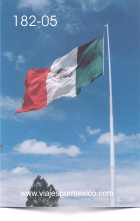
[[112, 149]]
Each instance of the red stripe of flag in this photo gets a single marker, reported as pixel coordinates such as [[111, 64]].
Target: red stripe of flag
[[36, 94]]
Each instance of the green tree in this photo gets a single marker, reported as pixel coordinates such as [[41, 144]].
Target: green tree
[[42, 195]]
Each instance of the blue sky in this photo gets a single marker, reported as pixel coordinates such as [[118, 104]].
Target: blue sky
[[71, 135]]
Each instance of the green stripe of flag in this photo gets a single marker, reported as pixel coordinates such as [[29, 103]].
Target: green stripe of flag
[[89, 63]]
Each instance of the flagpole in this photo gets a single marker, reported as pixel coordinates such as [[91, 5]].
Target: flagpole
[[103, 54], [112, 149]]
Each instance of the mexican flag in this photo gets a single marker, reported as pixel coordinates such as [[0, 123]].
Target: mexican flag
[[66, 76]]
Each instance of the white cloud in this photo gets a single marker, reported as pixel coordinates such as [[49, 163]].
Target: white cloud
[[105, 138], [132, 141], [60, 1], [40, 147], [9, 55], [133, 137], [129, 141], [95, 5], [73, 27], [93, 132], [98, 5], [20, 60], [82, 137], [20, 170], [70, 18], [36, 5], [10, 105], [83, 5], [33, 4], [60, 6]]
